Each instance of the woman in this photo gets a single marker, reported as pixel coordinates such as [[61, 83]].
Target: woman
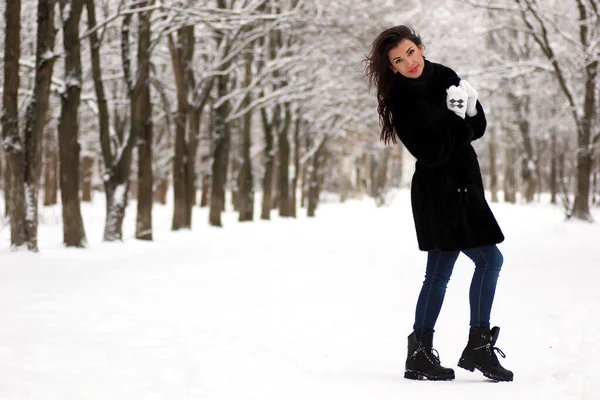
[[437, 115]]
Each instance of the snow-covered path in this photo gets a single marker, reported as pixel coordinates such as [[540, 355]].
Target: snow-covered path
[[289, 309]]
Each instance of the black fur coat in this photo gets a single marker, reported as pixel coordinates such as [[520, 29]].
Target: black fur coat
[[448, 201]]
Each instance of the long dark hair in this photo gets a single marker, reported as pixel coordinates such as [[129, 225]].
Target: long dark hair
[[379, 73]]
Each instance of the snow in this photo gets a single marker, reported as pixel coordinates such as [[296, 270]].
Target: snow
[[30, 198], [48, 55], [288, 309], [120, 195]]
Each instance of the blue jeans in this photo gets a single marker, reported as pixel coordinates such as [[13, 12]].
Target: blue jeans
[[488, 262]]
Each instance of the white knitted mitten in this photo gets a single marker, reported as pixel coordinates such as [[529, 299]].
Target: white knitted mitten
[[457, 100], [472, 100]]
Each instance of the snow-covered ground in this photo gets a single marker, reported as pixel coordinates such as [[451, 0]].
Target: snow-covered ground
[[289, 309]]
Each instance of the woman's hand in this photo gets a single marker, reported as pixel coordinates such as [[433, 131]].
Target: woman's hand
[[472, 100], [456, 100]]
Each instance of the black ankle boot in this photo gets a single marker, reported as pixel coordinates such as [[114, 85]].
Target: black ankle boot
[[423, 361], [480, 354]]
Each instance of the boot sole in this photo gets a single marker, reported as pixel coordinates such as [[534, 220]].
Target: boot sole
[[417, 376], [471, 366]]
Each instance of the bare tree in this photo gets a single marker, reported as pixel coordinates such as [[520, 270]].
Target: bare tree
[[51, 169], [12, 144], [118, 163], [569, 32], [245, 177], [68, 127], [35, 118], [142, 122]]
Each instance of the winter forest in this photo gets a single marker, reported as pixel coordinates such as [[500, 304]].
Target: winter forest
[[236, 103]]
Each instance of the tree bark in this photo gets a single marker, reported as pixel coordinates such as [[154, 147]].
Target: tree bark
[[87, 167], [143, 115], [305, 174], [492, 148], [181, 55], [117, 181], [314, 181], [35, 117], [12, 144], [221, 156], [205, 191], [191, 176], [581, 205], [206, 158], [285, 198], [1, 169], [553, 168], [267, 185], [245, 177], [529, 175], [6, 178], [51, 170], [275, 189], [110, 175], [160, 195], [510, 180], [68, 131], [583, 118], [297, 126]]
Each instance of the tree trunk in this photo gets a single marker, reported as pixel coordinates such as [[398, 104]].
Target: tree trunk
[[397, 167], [585, 149], [305, 175], [359, 167], [267, 185], [161, 192], [6, 177], [219, 168], [314, 181], [117, 184], [285, 199], [205, 159], [181, 56], [35, 117], [1, 169], [179, 165], [372, 176], [561, 170], [553, 168], [190, 170], [235, 167], [492, 148], [296, 164], [245, 178], [381, 176], [12, 144], [110, 175], [50, 170], [87, 171], [68, 131], [510, 179], [529, 175], [143, 114], [205, 191], [275, 188], [116, 174]]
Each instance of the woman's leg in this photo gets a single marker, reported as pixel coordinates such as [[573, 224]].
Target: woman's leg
[[479, 352], [421, 359], [488, 262], [437, 274]]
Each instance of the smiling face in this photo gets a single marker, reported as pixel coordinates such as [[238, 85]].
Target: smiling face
[[407, 59]]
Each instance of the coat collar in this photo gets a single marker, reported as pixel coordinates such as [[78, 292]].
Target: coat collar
[[434, 81]]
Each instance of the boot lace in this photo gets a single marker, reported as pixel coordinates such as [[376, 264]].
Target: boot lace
[[432, 354], [491, 349]]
